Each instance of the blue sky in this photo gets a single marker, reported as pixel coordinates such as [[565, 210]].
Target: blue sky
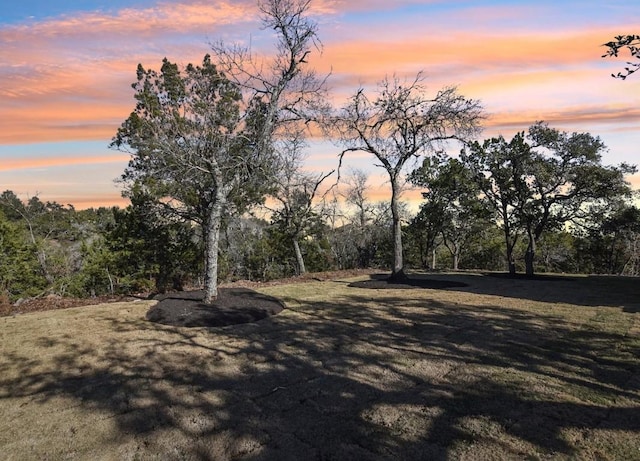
[[68, 66]]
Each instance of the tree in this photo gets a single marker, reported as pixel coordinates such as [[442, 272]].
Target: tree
[[632, 44], [497, 166], [201, 138], [20, 273], [453, 208], [545, 180], [295, 192], [402, 124], [46, 225], [621, 232]]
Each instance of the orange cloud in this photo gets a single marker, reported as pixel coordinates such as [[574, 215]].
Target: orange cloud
[[83, 202], [27, 163]]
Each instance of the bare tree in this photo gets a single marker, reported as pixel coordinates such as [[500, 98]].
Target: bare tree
[[295, 192], [401, 124], [356, 196]]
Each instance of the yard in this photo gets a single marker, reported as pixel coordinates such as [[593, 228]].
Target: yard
[[483, 368]]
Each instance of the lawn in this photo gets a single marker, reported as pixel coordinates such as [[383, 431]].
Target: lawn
[[496, 369]]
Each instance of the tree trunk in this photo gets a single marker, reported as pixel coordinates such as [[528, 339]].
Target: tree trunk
[[529, 256], [511, 264], [296, 246], [433, 258], [397, 272], [456, 258], [212, 240]]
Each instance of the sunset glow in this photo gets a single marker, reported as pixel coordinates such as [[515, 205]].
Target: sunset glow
[[65, 82]]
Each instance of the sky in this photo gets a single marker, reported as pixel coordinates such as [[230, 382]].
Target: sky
[[66, 68]]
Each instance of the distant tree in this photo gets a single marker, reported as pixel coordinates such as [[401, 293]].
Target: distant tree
[[632, 44], [498, 168], [623, 232], [424, 232], [20, 273], [295, 193], [557, 251], [47, 225], [402, 124], [201, 138], [545, 180], [457, 212]]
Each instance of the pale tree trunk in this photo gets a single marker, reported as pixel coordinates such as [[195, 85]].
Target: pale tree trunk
[[433, 258], [397, 271], [212, 240], [296, 246], [511, 264], [454, 250]]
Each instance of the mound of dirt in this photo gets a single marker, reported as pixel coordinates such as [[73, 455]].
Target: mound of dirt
[[233, 306], [382, 281]]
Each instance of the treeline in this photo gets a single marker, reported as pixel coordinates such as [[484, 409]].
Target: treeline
[[48, 248]]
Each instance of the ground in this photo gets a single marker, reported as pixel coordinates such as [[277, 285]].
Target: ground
[[471, 367], [54, 302], [233, 306]]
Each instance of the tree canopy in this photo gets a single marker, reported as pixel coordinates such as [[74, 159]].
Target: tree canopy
[[543, 180]]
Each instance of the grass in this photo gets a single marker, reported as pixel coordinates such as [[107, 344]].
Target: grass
[[499, 369]]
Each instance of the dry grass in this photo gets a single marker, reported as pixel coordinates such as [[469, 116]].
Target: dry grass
[[500, 369]]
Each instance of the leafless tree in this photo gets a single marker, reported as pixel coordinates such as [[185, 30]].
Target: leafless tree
[[296, 193], [400, 124]]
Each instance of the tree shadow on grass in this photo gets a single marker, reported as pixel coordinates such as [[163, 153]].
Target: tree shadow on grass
[[623, 292], [404, 379]]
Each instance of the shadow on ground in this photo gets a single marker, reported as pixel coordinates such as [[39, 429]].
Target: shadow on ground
[[592, 290], [410, 379]]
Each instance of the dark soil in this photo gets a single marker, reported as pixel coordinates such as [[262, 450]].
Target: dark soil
[[233, 306], [383, 281]]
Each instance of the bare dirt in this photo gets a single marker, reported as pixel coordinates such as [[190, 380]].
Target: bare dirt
[[484, 368]]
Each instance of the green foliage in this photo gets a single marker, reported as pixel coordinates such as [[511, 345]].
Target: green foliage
[[614, 246], [20, 274], [452, 212], [542, 181], [145, 248]]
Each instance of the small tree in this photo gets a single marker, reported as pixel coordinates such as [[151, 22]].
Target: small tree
[[453, 197], [632, 44], [402, 124], [295, 192]]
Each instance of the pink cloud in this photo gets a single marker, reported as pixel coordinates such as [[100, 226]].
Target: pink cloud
[[28, 163], [69, 78]]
